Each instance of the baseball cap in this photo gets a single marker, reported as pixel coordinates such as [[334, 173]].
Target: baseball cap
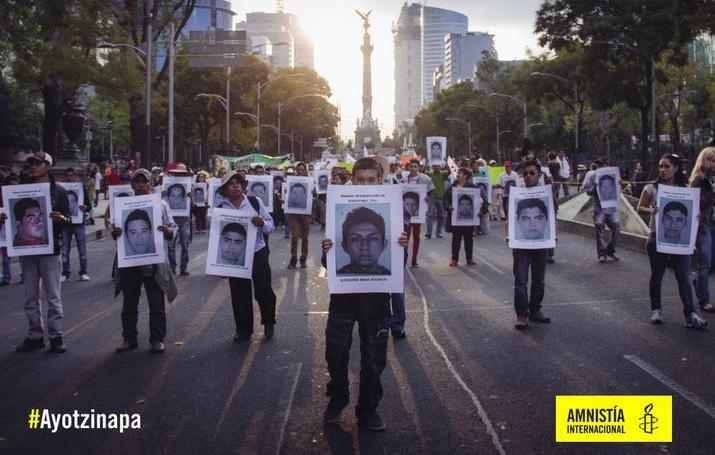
[[143, 172], [41, 156]]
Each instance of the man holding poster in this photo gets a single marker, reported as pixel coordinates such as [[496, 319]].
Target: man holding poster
[[364, 284], [79, 202], [139, 227], [531, 231], [43, 267], [237, 233]]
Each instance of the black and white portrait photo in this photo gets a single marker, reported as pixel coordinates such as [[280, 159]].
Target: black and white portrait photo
[[466, 203], [436, 150], [532, 219], [28, 228], [676, 221], [200, 193], [138, 232], [231, 243], [608, 186], [261, 186], [465, 207], [299, 199], [177, 194], [363, 246], [322, 179], [75, 197], [413, 200], [141, 243]]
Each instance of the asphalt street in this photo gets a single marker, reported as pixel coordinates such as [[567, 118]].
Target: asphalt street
[[463, 381]]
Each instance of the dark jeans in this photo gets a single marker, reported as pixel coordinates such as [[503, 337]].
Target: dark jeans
[[183, 237], [373, 333], [505, 204], [681, 267], [242, 295], [397, 302], [200, 217], [78, 231], [525, 303], [132, 281], [459, 233], [704, 253], [601, 220]]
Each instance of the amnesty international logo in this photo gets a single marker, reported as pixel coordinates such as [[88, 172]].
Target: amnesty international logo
[[648, 420], [614, 418]]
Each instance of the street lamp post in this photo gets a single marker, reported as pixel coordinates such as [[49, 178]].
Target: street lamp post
[[576, 104], [281, 104], [258, 104], [469, 130], [520, 103]]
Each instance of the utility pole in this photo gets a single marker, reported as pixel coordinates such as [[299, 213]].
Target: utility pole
[[147, 115], [171, 91]]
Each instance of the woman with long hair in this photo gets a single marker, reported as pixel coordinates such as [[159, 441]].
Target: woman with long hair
[[669, 173], [703, 177]]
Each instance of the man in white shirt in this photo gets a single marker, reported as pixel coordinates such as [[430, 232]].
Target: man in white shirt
[[507, 179], [565, 171]]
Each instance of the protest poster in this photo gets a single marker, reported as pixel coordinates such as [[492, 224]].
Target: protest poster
[[608, 186], [466, 204], [117, 191], [177, 190], [261, 186], [436, 150], [532, 218], [322, 179], [231, 243], [676, 221], [484, 183], [413, 200], [141, 242], [299, 200], [75, 197], [28, 229], [200, 193]]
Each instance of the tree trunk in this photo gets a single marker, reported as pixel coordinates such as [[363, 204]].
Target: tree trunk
[[644, 152], [137, 127], [52, 136]]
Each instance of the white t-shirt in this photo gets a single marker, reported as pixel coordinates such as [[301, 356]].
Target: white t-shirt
[[506, 181], [565, 168]]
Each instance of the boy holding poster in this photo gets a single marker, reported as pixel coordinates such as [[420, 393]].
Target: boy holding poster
[[529, 221], [372, 313], [232, 189], [156, 278]]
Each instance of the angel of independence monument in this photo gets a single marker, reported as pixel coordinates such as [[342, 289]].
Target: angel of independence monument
[[367, 133]]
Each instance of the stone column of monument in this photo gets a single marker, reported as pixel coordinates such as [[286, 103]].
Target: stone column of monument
[[367, 133]]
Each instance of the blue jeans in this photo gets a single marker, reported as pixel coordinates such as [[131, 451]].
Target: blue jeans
[[397, 320], [681, 267], [374, 332], [525, 302], [184, 238], [601, 220], [76, 230], [704, 252], [435, 211], [5, 265]]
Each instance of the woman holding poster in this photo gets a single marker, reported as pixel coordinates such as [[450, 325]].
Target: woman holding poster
[[670, 175], [233, 186], [703, 177], [134, 232], [462, 231]]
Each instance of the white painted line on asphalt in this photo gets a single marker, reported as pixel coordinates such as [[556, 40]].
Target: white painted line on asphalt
[[280, 419], [490, 265], [480, 409], [665, 380]]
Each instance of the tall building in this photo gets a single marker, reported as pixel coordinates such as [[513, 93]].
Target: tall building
[[408, 64], [435, 24], [295, 49], [461, 53]]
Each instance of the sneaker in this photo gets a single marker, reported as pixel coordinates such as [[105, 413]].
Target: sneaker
[[695, 321], [707, 307], [453, 263], [471, 262], [184, 273], [157, 347], [64, 279], [439, 236], [550, 260], [656, 317], [335, 407], [399, 333], [84, 277], [538, 316], [242, 336], [614, 257], [602, 259], [428, 236], [57, 345], [30, 345], [372, 421], [127, 345], [269, 331], [415, 265], [521, 322], [303, 263], [4, 282], [293, 262]]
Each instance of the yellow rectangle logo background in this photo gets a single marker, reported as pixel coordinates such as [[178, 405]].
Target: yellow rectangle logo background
[[585, 418]]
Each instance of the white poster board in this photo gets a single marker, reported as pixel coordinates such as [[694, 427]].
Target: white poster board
[[28, 228], [365, 223], [177, 190], [436, 150], [322, 180], [466, 204], [484, 182], [261, 186], [232, 241], [413, 200], [676, 222], [118, 191], [215, 199], [3, 236], [200, 194], [75, 197], [299, 199], [141, 242], [608, 186], [532, 218]]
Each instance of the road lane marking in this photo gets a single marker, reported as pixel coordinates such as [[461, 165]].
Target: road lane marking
[[668, 382], [489, 264], [480, 409], [280, 419]]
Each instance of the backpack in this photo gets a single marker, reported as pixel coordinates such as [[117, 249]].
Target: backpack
[[254, 203]]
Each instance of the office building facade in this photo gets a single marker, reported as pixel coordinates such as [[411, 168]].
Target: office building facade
[[435, 24], [291, 47], [461, 53], [408, 64]]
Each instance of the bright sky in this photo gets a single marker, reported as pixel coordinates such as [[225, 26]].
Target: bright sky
[[337, 35]]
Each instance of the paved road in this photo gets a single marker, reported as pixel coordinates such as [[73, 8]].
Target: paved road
[[464, 381]]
